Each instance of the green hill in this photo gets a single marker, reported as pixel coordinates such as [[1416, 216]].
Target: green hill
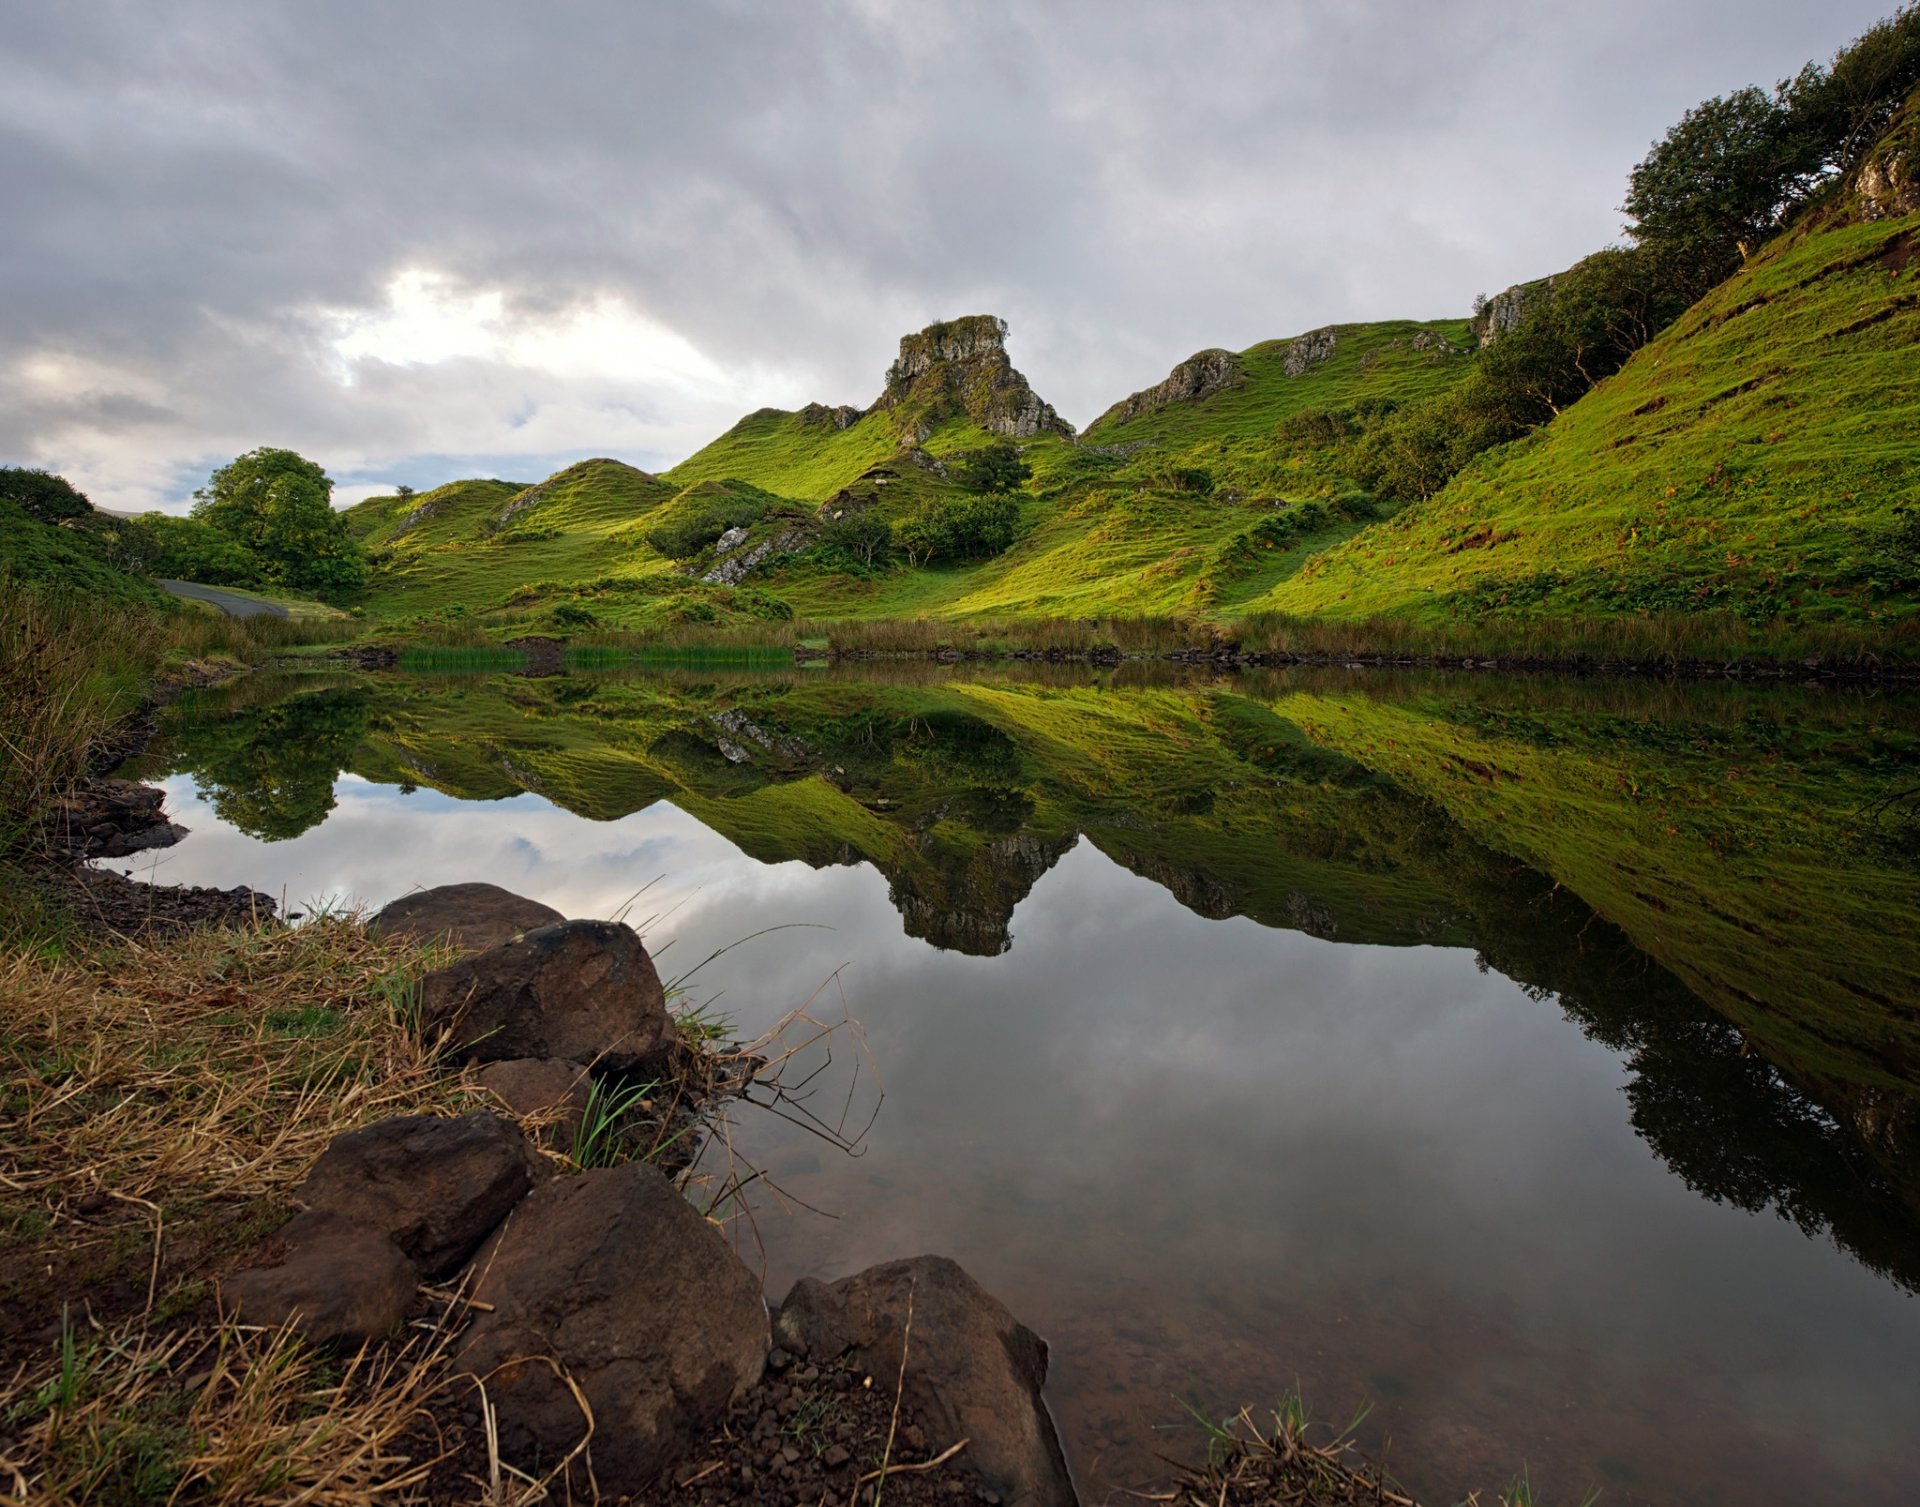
[[1755, 457]]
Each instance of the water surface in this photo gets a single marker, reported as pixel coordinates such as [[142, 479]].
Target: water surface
[[1534, 1061]]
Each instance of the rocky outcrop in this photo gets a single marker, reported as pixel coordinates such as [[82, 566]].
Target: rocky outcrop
[[1888, 182], [1199, 376], [972, 1370], [733, 568], [820, 416], [434, 1187], [1504, 310], [472, 917], [1309, 351], [338, 1282], [960, 367], [581, 990], [613, 1278]]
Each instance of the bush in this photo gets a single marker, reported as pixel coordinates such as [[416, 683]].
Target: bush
[[185, 549], [686, 536], [861, 535], [44, 496], [571, 615], [1190, 479], [997, 468], [968, 528]]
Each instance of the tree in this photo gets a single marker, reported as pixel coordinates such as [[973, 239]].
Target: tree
[[1721, 181], [49, 498], [998, 468], [158, 544], [860, 534], [279, 505], [1845, 106]]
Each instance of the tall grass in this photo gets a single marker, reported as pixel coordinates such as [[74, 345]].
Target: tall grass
[[1662, 638], [73, 665]]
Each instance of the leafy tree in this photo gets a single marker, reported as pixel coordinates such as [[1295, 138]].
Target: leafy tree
[[279, 505], [49, 498], [1845, 106], [998, 467], [859, 534], [965, 528], [187, 549], [1721, 181]]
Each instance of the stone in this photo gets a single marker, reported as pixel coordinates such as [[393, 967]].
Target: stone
[[473, 917], [536, 1089], [1309, 351], [435, 1187], [109, 819], [585, 991], [973, 1371], [341, 1282], [1199, 376], [614, 1277], [960, 367]]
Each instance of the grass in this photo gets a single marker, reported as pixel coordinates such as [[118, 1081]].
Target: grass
[[1749, 461]]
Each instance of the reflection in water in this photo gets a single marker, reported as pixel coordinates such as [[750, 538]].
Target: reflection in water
[[1198, 1122]]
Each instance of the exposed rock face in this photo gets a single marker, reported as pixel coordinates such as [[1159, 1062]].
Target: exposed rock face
[[341, 1282], [960, 366], [819, 415], [473, 917], [734, 568], [1309, 351], [613, 1275], [109, 819], [973, 1371], [537, 1090], [1199, 376], [582, 990], [434, 1187], [1506, 309], [1889, 180], [971, 911]]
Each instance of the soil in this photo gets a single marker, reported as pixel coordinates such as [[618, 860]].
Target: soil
[[113, 903], [804, 1437]]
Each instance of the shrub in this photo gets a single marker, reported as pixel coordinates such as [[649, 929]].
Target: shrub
[[966, 528], [861, 535], [998, 467], [44, 496]]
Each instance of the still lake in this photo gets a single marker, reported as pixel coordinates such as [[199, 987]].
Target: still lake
[[1533, 1060]]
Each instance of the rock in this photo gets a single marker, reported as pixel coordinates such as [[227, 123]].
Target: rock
[[1199, 376], [1889, 178], [973, 1371], [473, 917], [613, 1276], [342, 1282], [1504, 310], [537, 1089], [1309, 350], [819, 415], [435, 1187], [585, 991], [731, 539], [109, 819], [960, 366]]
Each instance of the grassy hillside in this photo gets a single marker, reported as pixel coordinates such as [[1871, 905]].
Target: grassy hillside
[[44, 554], [1752, 459]]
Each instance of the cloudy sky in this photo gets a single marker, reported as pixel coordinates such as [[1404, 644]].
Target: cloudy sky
[[431, 240]]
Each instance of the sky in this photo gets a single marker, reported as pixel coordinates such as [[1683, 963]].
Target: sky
[[480, 238]]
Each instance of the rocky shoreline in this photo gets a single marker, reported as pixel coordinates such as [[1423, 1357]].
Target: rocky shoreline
[[608, 1331]]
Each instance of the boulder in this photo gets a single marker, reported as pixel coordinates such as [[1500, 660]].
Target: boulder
[[109, 819], [553, 1089], [341, 1282], [973, 1371], [582, 990], [613, 1276], [435, 1187], [473, 917]]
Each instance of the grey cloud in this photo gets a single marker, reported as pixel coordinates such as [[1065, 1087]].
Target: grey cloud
[[789, 187]]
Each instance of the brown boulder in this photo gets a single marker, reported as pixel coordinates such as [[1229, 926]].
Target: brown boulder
[[582, 990], [613, 1276], [473, 917], [341, 1282], [435, 1187], [553, 1090], [973, 1371]]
